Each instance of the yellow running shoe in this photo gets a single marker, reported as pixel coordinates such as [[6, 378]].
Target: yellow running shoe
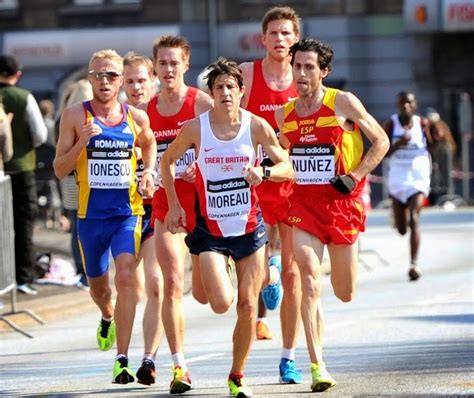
[[122, 373], [262, 331], [106, 333], [181, 381], [238, 387], [322, 380]]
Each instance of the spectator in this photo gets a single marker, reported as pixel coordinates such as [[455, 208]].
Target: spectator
[[442, 151], [29, 132], [6, 145], [47, 187]]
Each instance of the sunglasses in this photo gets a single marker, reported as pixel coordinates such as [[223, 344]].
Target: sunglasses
[[109, 75]]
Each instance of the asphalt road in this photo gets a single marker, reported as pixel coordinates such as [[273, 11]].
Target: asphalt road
[[397, 338]]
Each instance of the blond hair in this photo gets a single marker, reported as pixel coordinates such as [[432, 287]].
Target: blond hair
[[132, 59], [107, 54]]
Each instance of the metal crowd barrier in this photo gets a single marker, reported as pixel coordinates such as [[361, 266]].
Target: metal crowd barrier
[[7, 257]]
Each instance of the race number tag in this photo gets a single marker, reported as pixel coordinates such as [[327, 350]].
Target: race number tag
[[313, 164], [109, 168], [228, 198]]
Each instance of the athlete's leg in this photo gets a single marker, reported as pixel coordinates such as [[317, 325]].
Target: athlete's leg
[[415, 204], [171, 253], [127, 299], [344, 260], [152, 324], [216, 281], [199, 293], [290, 312], [400, 215], [271, 249], [250, 276], [102, 294], [308, 251]]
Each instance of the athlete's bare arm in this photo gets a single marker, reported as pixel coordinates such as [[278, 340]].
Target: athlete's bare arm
[[280, 119], [74, 136], [263, 134], [188, 137], [146, 142], [349, 107], [247, 74]]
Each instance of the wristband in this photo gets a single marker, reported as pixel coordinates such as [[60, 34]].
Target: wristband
[[150, 171], [357, 180]]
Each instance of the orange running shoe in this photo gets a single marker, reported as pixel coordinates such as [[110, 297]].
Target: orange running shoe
[[262, 331]]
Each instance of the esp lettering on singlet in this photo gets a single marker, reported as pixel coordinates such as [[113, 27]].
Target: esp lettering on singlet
[[109, 165], [313, 164]]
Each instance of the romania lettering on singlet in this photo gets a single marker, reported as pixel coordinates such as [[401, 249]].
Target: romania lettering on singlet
[[320, 148], [106, 170], [166, 128], [227, 203]]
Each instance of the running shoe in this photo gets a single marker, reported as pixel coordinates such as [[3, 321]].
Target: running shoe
[[414, 273], [238, 387], [106, 333], [146, 373], [122, 373], [289, 374], [181, 381], [262, 331], [273, 294], [322, 380]]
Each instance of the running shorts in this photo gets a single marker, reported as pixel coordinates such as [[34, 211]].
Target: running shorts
[[187, 198], [331, 220], [97, 237]]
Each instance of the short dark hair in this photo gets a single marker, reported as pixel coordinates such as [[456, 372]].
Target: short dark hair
[[9, 65], [279, 13], [324, 51], [223, 67]]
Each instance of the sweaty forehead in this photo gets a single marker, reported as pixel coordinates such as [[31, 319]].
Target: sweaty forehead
[[225, 79], [409, 97], [280, 25]]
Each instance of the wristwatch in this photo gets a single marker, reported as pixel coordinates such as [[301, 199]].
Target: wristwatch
[[266, 173], [150, 171]]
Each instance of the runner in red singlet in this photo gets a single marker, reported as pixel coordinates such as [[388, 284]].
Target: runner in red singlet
[[168, 112], [269, 84], [322, 130]]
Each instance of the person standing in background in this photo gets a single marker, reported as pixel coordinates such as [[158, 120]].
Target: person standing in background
[[28, 133], [269, 85], [442, 151], [409, 171], [6, 144], [76, 93]]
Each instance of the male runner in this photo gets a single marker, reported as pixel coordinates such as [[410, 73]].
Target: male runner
[[269, 85], [409, 171], [228, 221], [168, 111], [138, 85], [322, 130], [97, 138]]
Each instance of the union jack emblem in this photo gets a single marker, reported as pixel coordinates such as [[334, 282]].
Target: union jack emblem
[[226, 167]]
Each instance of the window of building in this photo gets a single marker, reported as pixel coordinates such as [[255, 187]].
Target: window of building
[[87, 2], [126, 1], [8, 4]]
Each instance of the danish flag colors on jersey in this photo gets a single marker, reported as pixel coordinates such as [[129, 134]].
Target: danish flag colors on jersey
[[321, 149], [227, 203], [166, 128], [263, 101]]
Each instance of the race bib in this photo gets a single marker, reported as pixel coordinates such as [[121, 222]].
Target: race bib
[[181, 164], [313, 164], [228, 198], [109, 168]]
